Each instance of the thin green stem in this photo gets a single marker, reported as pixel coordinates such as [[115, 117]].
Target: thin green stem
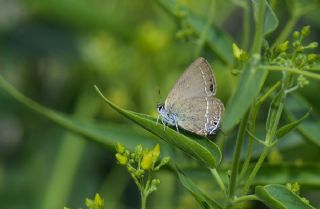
[[204, 34], [262, 98], [259, 28], [236, 156], [246, 26], [217, 177], [255, 170], [137, 182], [275, 115], [64, 168], [286, 30], [314, 69], [291, 70], [251, 126], [143, 200], [146, 189]]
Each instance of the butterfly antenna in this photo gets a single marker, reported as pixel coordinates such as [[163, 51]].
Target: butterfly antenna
[[159, 97]]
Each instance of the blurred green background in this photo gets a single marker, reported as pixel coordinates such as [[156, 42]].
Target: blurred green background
[[54, 51]]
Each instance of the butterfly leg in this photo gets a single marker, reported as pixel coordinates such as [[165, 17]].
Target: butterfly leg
[[176, 124], [158, 120], [164, 124], [177, 127], [211, 132]]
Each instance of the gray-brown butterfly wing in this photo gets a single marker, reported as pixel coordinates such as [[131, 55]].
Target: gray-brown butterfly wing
[[200, 115], [196, 81]]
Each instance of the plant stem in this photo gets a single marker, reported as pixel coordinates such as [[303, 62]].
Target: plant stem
[[314, 69], [246, 26], [262, 98], [274, 116], [269, 140], [291, 70], [137, 182], [255, 170], [203, 36], [217, 177], [146, 188], [259, 28], [236, 156], [143, 200], [251, 127]]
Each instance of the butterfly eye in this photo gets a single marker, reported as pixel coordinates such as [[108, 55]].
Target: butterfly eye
[[159, 107]]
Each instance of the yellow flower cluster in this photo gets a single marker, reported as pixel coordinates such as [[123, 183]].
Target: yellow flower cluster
[[150, 157]]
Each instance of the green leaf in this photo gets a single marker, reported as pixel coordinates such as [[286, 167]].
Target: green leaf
[[309, 128], [106, 134], [249, 86], [202, 198], [271, 21], [202, 149], [279, 197], [290, 126], [218, 41]]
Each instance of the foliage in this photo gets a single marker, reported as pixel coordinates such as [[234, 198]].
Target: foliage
[[264, 156]]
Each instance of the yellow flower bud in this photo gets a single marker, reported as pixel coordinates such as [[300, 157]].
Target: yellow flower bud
[[296, 35], [123, 160], [147, 160], [236, 51], [312, 57], [98, 201], [294, 187], [120, 148], [156, 152], [305, 30], [282, 47]]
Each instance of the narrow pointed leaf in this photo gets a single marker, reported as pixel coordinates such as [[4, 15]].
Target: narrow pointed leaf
[[203, 199], [290, 126], [204, 150], [271, 21], [277, 196], [106, 134], [310, 127]]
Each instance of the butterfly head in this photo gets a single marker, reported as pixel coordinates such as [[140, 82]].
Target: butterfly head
[[160, 107], [167, 116]]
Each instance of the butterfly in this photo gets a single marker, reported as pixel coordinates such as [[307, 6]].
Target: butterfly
[[191, 104]]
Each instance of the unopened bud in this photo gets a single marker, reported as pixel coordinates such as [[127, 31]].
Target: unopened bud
[[296, 35], [305, 31]]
